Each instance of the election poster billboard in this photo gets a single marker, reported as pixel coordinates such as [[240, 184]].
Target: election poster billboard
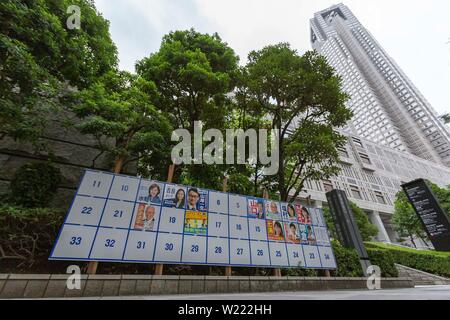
[[119, 218]]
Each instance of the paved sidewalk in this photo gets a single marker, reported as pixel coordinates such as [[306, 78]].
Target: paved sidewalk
[[417, 293]]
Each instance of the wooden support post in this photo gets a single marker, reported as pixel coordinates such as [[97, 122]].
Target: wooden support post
[[92, 267], [159, 267]]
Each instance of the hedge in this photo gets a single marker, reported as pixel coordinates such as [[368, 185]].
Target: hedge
[[429, 261]]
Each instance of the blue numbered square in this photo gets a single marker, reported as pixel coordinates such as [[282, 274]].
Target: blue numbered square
[[109, 244], [218, 251], [320, 219], [260, 253], [312, 257], [74, 242], [86, 211], [218, 202], [117, 214], [172, 220], [194, 249], [124, 188], [237, 205], [218, 225], [278, 255], [327, 258], [95, 184], [322, 236], [295, 253], [140, 246], [257, 229], [168, 247], [238, 227], [239, 252]]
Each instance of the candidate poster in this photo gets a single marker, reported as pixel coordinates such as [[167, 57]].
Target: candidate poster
[[116, 218]]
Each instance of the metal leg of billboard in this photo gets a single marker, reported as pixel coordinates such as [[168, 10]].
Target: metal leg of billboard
[[346, 228]]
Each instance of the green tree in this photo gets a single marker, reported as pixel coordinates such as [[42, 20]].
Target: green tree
[[194, 72], [406, 222], [366, 228], [302, 97], [119, 112], [446, 118], [42, 60]]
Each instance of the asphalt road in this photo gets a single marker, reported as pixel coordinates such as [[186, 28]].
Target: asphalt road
[[417, 293]]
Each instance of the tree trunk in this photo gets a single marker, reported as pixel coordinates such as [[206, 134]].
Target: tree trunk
[[412, 240], [118, 164]]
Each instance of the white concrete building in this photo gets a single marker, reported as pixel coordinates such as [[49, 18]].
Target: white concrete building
[[395, 135]]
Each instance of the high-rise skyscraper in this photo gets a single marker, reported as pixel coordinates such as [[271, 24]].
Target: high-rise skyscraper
[[388, 109], [395, 135]]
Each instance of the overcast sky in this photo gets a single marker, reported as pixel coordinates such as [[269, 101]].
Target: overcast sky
[[416, 33]]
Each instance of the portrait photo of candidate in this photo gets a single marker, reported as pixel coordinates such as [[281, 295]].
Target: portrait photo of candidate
[[193, 199], [145, 218], [180, 199], [291, 212], [311, 235], [278, 230], [154, 192], [293, 231]]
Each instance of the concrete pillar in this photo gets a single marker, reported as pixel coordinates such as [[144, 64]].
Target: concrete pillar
[[382, 233], [318, 204]]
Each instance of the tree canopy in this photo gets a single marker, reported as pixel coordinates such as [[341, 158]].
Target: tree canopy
[[302, 97], [42, 60], [366, 228], [194, 72], [119, 111]]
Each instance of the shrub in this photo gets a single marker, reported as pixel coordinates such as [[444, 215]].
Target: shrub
[[429, 261], [385, 260], [347, 261], [34, 185], [27, 235]]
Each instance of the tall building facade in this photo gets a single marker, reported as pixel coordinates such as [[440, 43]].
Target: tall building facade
[[395, 135], [389, 110]]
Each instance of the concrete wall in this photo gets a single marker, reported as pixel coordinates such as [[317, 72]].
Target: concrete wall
[[421, 278], [73, 152], [54, 286]]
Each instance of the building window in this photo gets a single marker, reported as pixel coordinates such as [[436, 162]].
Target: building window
[[343, 152], [365, 158], [357, 142], [380, 197], [328, 185], [355, 192]]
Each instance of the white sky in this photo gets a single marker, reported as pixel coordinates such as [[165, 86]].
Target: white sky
[[416, 33]]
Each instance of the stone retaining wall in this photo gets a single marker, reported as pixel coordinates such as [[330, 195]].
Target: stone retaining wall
[[421, 278], [54, 286]]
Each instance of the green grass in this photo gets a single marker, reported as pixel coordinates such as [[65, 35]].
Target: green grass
[[397, 248]]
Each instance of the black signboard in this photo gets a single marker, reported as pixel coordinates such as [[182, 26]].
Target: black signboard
[[431, 214], [346, 228]]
